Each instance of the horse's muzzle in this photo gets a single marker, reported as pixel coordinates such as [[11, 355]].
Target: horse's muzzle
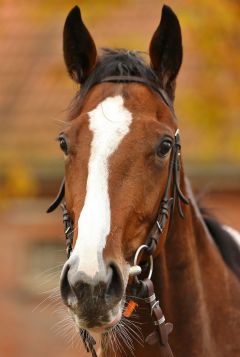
[[93, 301]]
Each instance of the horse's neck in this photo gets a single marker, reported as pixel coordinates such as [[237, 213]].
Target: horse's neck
[[195, 288]]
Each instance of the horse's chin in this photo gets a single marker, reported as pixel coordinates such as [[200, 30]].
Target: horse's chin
[[101, 326], [107, 326]]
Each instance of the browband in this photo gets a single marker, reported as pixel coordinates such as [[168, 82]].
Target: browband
[[136, 79]]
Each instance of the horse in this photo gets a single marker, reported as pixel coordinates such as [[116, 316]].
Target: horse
[[136, 238]]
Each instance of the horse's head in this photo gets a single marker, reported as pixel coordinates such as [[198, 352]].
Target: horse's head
[[117, 146]]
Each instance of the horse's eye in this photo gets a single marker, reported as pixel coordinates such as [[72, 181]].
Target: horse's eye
[[63, 144], [164, 147]]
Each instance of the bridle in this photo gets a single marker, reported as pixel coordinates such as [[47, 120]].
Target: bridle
[[172, 196]]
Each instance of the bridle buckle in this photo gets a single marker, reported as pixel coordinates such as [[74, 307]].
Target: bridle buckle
[[159, 226]]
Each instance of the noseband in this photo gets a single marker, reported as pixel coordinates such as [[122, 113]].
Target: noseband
[[172, 196]]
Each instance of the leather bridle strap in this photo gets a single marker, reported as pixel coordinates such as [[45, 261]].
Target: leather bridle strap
[[89, 342], [58, 199], [162, 328], [136, 79], [68, 229], [169, 198]]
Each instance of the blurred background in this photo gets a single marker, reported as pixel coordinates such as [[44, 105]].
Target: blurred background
[[35, 92]]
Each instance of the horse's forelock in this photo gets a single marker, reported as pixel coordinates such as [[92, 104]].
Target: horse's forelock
[[119, 62]]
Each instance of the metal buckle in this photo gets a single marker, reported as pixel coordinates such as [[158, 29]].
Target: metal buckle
[[67, 230], [160, 321], [159, 226], [144, 246]]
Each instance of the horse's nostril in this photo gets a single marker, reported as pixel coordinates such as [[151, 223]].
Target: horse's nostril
[[114, 289], [80, 291], [67, 293]]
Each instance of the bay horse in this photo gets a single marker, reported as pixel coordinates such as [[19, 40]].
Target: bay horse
[[136, 239]]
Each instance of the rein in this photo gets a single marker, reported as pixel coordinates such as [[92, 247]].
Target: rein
[[172, 196]]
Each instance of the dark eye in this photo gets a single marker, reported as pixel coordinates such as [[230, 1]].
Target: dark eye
[[63, 144], [164, 147]]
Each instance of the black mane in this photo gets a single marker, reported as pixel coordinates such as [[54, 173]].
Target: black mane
[[227, 246], [118, 62]]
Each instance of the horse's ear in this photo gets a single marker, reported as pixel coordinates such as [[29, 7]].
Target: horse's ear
[[79, 49], [166, 50]]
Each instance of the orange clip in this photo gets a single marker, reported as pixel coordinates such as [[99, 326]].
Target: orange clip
[[132, 305]]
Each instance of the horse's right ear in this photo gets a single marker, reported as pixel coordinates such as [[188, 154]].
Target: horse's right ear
[[166, 50], [79, 49]]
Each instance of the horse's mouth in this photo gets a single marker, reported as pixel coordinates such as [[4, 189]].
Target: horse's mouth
[[105, 327], [98, 325]]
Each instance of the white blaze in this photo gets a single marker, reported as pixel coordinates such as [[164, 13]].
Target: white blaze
[[109, 123]]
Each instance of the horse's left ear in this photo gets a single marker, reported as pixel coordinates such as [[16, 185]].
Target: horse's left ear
[[79, 49], [166, 50]]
